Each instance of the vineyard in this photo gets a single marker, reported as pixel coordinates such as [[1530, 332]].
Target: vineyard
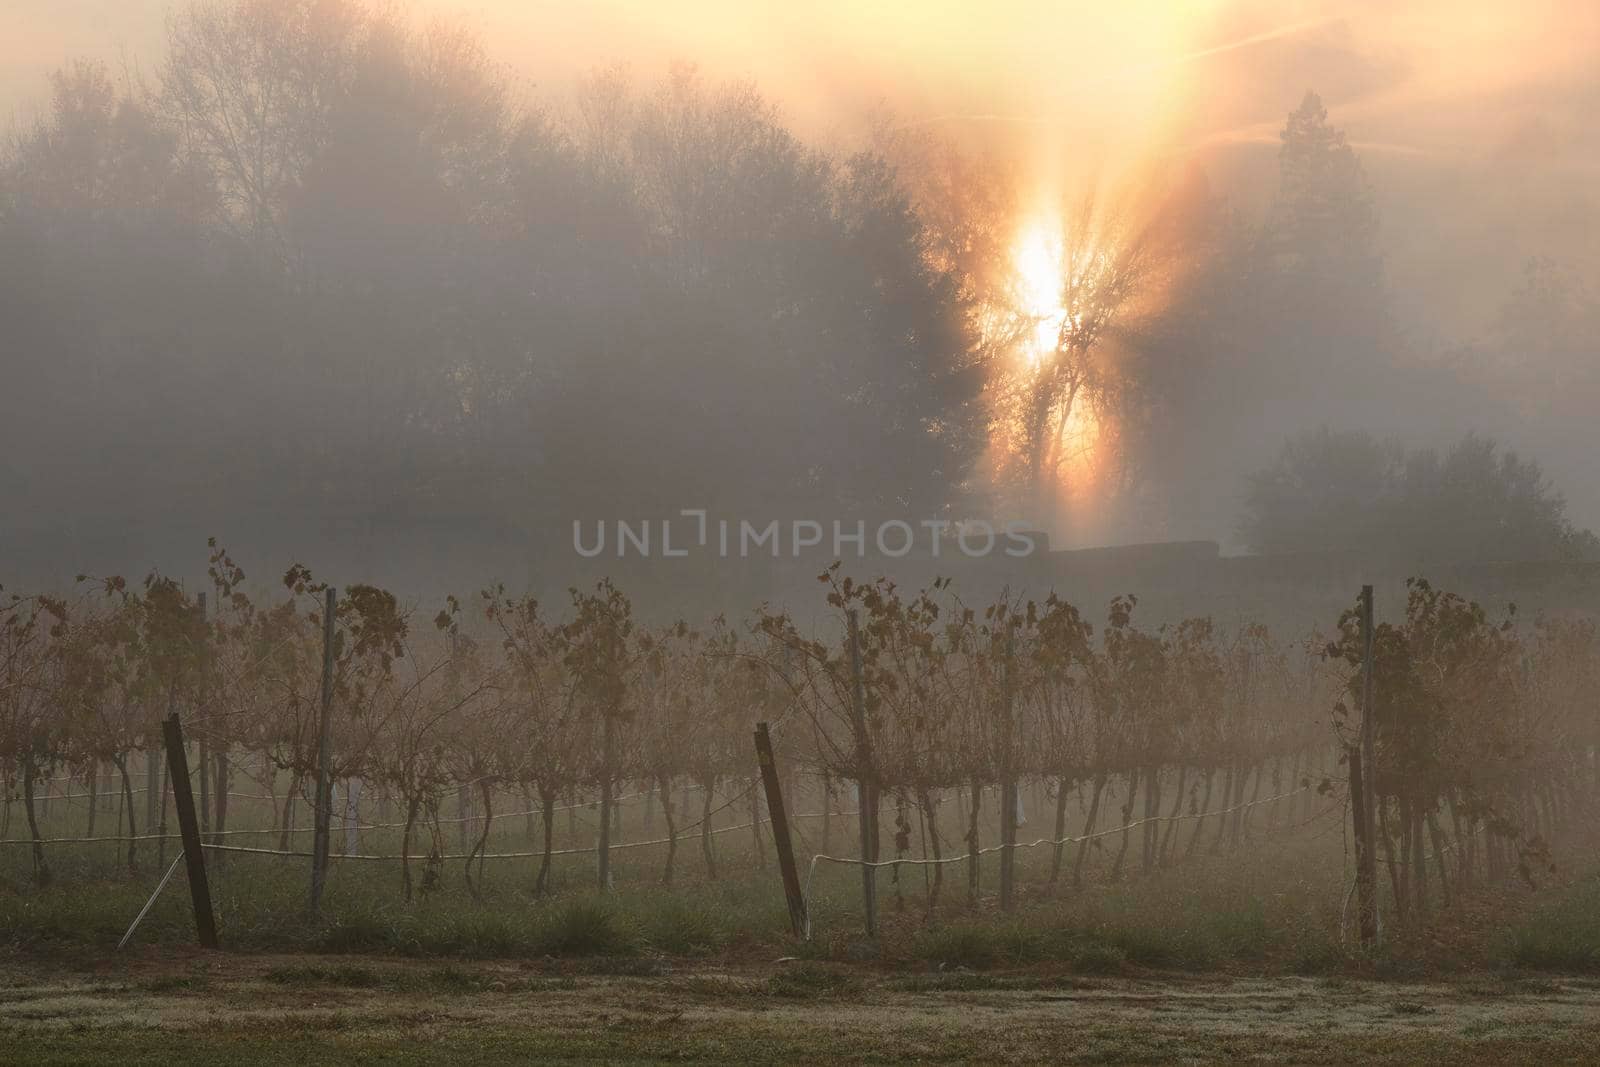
[[936, 761]]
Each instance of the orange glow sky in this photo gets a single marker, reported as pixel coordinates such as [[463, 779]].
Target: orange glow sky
[[1437, 94], [1172, 73]]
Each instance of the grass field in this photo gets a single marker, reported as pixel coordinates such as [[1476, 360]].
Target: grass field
[[181, 1008]]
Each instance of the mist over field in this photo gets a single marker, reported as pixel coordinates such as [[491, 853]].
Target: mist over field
[[725, 532]]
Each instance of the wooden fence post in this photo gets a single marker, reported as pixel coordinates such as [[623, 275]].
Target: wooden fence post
[[202, 756], [780, 830], [323, 814], [1008, 790], [189, 826], [1365, 886], [867, 801], [166, 786], [1366, 770]]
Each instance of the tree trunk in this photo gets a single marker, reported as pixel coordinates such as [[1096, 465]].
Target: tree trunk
[[1088, 828], [1419, 880], [1388, 852], [607, 784], [1127, 817], [1309, 795], [203, 757], [1278, 806], [603, 846], [1225, 818], [827, 810], [1200, 821], [482, 845], [288, 815], [41, 867], [1061, 829], [152, 785], [931, 821], [1436, 836], [350, 817], [902, 845], [1403, 863], [121, 762], [1152, 809], [705, 829], [973, 858], [1463, 849], [755, 829], [1164, 852], [672, 829], [219, 825], [1007, 801], [547, 801], [412, 804], [1247, 812], [94, 794], [166, 789]]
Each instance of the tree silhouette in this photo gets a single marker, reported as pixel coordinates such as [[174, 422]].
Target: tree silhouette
[[1349, 492]]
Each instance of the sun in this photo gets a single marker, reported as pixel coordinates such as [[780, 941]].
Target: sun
[[1037, 260]]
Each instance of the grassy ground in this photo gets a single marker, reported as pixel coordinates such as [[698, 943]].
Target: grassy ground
[[175, 1009], [1274, 896], [1234, 953], [1266, 912]]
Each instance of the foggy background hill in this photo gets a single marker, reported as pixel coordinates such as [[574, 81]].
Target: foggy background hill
[[405, 293]]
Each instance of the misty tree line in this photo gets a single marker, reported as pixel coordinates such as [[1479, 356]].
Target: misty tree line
[[1487, 738], [327, 264], [1353, 493], [321, 266]]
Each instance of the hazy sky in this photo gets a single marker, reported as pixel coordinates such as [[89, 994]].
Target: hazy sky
[[1168, 73], [1483, 110]]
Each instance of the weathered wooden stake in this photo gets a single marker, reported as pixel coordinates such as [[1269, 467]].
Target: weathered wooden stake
[[166, 789], [1365, 877], [1008, 791], [324, 807], [205, 762], [1367, 828], [867, 802], [780, 830], [189, 826]]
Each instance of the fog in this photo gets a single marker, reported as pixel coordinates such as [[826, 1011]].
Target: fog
[[406, 294], [1164, 427]]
